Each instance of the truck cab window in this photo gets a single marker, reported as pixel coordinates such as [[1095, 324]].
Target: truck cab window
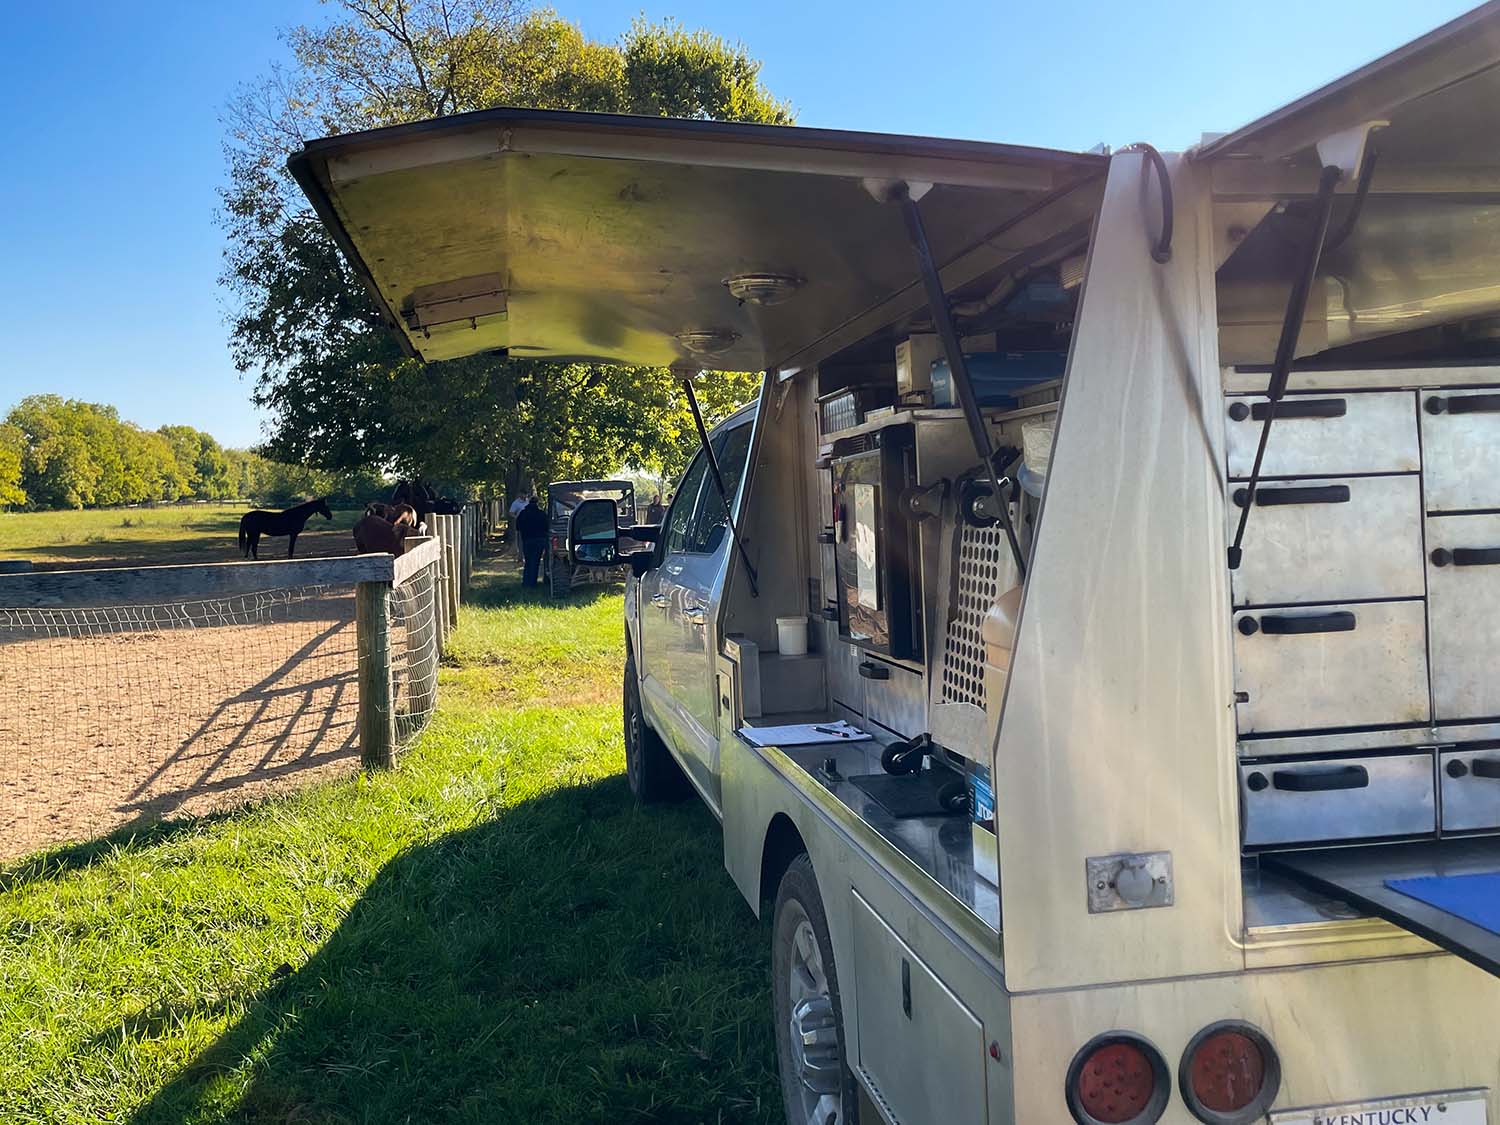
[[680, 518], [711, 523]]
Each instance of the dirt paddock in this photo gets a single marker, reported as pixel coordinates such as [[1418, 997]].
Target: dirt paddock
[[129, 724]]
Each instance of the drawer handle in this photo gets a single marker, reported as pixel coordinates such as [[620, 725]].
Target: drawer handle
[[1276, 625], [1466, 556], [1271, 497], [1291, 408], [1321, 781], [872, 671], [1488, 768], [1463, 404]]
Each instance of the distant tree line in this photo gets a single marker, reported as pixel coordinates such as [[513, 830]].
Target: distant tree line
[[63, 453]]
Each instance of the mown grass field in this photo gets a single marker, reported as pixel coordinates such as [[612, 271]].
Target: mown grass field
[[490, 933], [184, 533]]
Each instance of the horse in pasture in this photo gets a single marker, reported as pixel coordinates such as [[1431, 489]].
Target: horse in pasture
[[290, 523], [374, 534], [397, 514]]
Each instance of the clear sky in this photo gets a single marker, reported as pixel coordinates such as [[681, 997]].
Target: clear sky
[[109, 247]]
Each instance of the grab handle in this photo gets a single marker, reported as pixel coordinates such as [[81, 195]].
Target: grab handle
[[1291, 408], [1486, 767], [1321, 780], [1310, 494], [1466, 556], [1463, 404], [1277, 625], [872, 671]]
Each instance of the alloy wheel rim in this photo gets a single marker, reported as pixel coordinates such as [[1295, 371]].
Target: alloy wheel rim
[[817, 1059]]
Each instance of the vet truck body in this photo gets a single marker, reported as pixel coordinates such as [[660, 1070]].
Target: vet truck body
[[1143, 516]]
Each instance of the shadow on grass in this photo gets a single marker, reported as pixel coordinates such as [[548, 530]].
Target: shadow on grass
[[144, 832], [571, 959], [497, 585]]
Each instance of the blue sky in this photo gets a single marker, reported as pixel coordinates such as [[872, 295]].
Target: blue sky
[[109, 248]]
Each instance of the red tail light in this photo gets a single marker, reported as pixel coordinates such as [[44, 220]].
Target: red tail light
[[1118, 1079], [1230, 1074]]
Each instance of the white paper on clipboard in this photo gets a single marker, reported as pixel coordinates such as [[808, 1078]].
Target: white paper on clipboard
[[804, 734]]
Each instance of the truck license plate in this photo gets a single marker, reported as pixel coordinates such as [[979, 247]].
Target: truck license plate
[[1456, 1107]]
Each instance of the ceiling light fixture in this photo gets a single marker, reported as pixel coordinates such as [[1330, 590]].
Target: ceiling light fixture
[[763, 288], [710, 342]]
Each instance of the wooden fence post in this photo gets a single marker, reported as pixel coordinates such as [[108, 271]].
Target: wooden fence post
[[377, 712]]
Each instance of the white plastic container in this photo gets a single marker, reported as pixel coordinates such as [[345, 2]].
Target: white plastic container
[[791, 636]]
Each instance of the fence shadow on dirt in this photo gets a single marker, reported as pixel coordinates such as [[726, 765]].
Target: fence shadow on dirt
[[570, 959]]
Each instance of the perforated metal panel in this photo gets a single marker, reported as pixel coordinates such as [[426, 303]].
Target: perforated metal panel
[[982, 554]]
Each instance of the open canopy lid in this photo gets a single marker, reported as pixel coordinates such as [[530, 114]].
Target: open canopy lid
[[655, 240]]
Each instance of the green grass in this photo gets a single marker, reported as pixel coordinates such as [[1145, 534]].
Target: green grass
[[490, 933], [186, 533]]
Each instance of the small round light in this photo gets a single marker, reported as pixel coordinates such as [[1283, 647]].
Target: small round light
[[1118, 1079], [710, 342], [1230, 1074], [763, 288]]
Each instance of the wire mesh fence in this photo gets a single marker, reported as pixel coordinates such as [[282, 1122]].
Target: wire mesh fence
[[120, 715]]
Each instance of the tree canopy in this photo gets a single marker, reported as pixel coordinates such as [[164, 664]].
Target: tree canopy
[[337, 388], [63, 453]]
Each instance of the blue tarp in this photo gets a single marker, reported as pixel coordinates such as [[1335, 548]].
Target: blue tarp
[[1474, 898]]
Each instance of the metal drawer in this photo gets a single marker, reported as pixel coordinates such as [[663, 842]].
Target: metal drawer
[[1463, 612], [1330, 540], [1470, 780], [1326, 434], [895, 697], [1329, 666], [1324, 799], [1461, 446]]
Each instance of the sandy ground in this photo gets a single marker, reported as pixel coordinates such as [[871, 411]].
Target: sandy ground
[[103, 731]]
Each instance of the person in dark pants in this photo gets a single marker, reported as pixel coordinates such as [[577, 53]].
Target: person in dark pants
[[532, 529]]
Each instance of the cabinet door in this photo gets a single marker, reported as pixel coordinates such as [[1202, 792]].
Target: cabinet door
[[1325, 435], [1329, 666], [1463, 606], [1461, 447]]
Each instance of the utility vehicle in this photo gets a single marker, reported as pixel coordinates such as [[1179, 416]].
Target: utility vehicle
[[564, 571], [1144, 511]]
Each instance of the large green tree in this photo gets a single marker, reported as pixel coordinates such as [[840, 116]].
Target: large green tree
[[338, 391]]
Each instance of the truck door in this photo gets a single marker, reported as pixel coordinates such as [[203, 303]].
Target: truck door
[[685, 595]]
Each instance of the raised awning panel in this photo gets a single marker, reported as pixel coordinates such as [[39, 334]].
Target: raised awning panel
[[610, 238]]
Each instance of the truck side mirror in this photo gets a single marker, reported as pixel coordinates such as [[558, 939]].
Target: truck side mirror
[[593, 535]]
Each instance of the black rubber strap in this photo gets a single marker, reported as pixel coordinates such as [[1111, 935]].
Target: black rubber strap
[[1306, 494], [1278, 625], [1300, 408], [1463, 404]]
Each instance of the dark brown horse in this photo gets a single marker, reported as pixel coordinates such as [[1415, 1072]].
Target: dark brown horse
[[290, 523], [374, 534]]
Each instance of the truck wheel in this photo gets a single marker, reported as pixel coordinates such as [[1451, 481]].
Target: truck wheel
[[654, 775], [816, 1082], [560, 574]]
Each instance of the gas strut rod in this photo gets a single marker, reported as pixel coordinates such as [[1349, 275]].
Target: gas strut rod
[[1286, 347], [713, 467], [942, 319]]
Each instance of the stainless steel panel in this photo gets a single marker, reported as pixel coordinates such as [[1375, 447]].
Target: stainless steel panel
[[1396, 798], [1463, 613], [1462, 453], [1371, 675], [1369, 546], [905, 1014], [1377, 433], [1470, 782], [898, 702], [844, 683]]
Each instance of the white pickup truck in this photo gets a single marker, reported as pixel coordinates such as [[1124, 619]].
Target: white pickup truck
[[1142, 514]]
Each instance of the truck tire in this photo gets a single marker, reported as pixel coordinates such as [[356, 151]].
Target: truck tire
[[560, 577], [653, 774], [816, 1082]]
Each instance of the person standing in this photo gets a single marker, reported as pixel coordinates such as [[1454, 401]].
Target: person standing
[[531, 530], [516, 507], [656, 511]]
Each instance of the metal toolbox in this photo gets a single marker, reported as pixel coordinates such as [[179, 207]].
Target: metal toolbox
[[1332, 434], [1331, 666], [1332, 539], [1319, 800], [1469, 777], [1463, 608], [1461, 445]]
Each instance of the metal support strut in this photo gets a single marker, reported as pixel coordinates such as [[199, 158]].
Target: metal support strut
[[942, 319], [713, 467], [1286, 347]]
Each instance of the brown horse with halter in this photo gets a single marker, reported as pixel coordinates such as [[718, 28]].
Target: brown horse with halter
[[384, 529], [289, 523]]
